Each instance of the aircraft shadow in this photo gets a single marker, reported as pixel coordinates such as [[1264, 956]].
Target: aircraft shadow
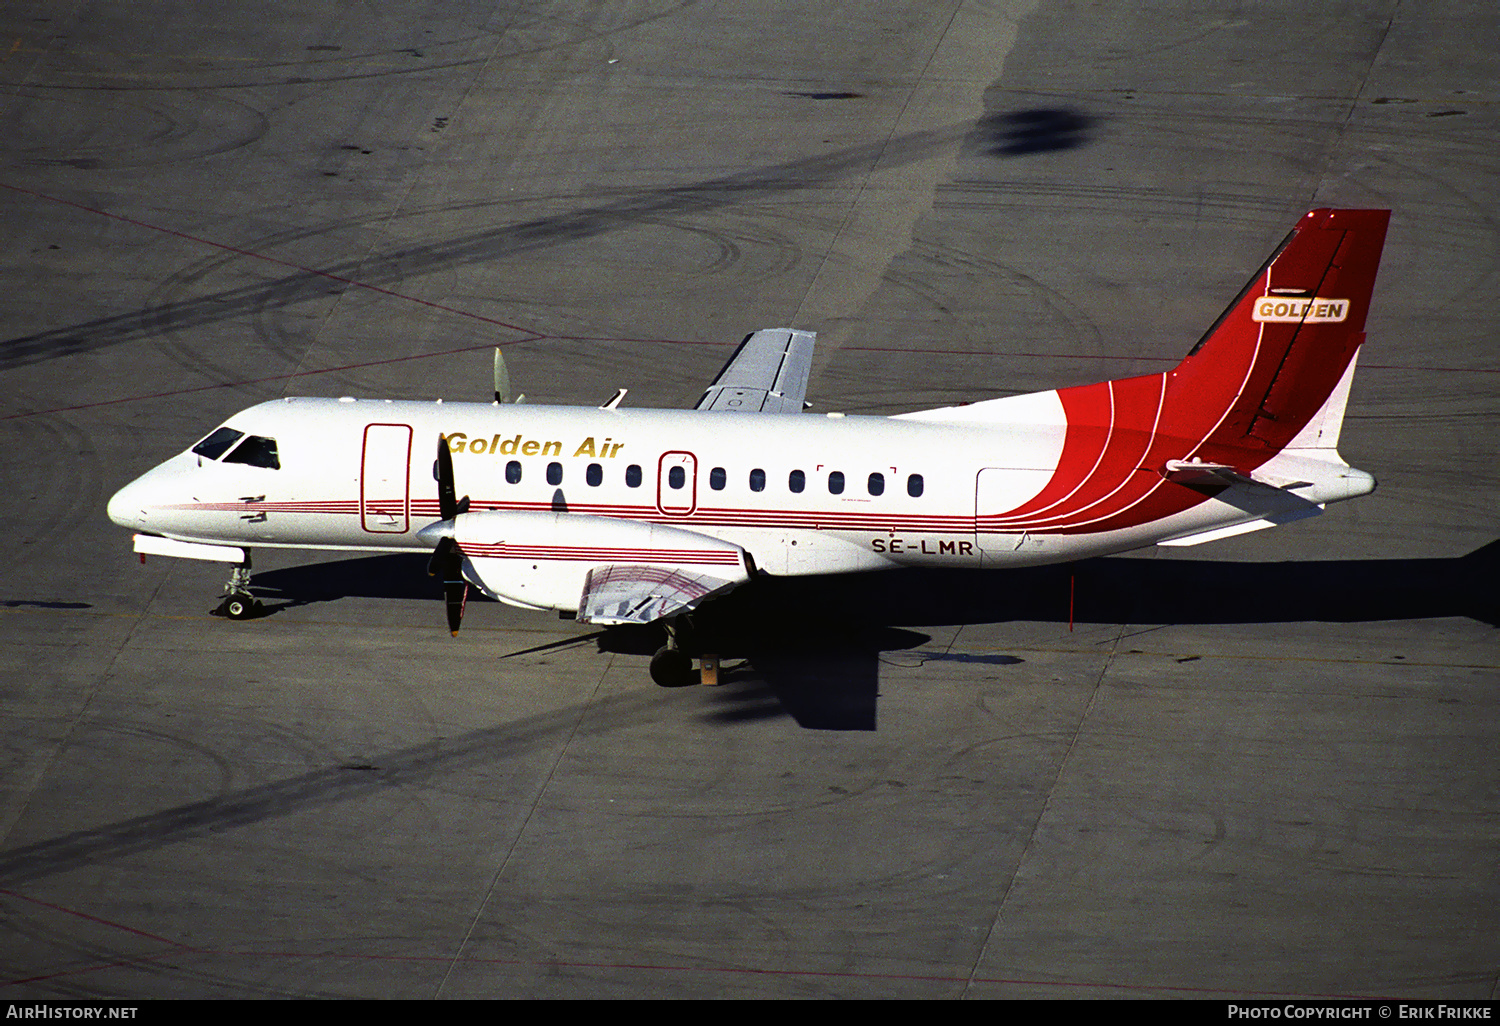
[[1143, 591], [791, 613], [810, 647]]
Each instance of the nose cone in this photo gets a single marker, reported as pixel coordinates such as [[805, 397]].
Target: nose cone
[[129, 506]]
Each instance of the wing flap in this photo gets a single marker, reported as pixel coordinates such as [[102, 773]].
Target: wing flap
[[767, 374], [642, 594]]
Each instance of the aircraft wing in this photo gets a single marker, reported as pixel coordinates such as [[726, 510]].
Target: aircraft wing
[[610, 570], [766, 374], [642, 594]]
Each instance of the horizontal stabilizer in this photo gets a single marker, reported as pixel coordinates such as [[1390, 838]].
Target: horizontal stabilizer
[[1201, 475]]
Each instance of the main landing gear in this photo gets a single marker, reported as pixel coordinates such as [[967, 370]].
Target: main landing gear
[[238, 603], [671, 667]]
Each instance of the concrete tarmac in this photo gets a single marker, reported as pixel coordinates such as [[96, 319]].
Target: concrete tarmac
[[1262, 768]]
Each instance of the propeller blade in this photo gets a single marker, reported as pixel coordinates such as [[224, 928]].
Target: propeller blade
[[443, 471], [447, 562], [438, 565], [502, 379], [456, 595], [448, 506]]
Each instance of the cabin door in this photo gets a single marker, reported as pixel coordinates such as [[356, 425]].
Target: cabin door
[[385, 479]]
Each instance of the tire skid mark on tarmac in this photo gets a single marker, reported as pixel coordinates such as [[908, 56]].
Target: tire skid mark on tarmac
[[416, 765], [486, 245]]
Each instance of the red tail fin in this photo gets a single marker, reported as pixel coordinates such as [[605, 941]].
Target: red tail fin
[[1271, 361], [1259, 375]]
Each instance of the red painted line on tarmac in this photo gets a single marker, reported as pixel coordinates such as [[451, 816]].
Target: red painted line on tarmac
[[1402, 368], [124, 963], [258, 381], [260, 256], [1073, 986], [94, 919], [180, 950], [534, 336], [1173, 360]]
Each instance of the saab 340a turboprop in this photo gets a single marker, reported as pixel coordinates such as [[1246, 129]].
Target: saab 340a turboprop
[[633, 516]]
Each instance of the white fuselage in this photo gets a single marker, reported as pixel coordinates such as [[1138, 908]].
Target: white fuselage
[[801, 494]]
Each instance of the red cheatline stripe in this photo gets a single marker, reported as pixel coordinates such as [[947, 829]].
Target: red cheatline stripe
[[603, 575], [725, 517], [565, 552]]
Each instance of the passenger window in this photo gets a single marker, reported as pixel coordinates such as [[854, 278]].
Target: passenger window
[[594, 475], [796, 481], [836, 482], [757, 480], [877, 484], [215, 445], [677, 477], [513, 472], [554, 473], [914, 485], [633, 475], [717, 479], [256, 451]]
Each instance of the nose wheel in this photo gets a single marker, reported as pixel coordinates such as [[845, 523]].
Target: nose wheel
[[240, 607], [238, 603]]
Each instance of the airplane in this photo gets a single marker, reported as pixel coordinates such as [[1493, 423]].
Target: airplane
[[634, 516]]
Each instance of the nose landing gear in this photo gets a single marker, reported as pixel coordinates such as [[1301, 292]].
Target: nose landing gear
[[238, 603]]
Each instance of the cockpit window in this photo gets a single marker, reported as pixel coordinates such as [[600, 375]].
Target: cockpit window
[[212, 447], [256, 451]]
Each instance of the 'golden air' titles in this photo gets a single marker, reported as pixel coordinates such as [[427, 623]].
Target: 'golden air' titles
[[520, 445], [1284, 310]]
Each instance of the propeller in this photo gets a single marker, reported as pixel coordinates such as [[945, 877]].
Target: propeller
[[502, 379], [502, 382], [447, 561]]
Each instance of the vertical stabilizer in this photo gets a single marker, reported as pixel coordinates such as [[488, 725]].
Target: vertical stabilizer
[[1274, 370], [1270, 365], [1320, 438]]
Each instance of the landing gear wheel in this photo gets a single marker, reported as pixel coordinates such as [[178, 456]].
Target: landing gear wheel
[[241, 607], [238, 603], [672, 669]]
